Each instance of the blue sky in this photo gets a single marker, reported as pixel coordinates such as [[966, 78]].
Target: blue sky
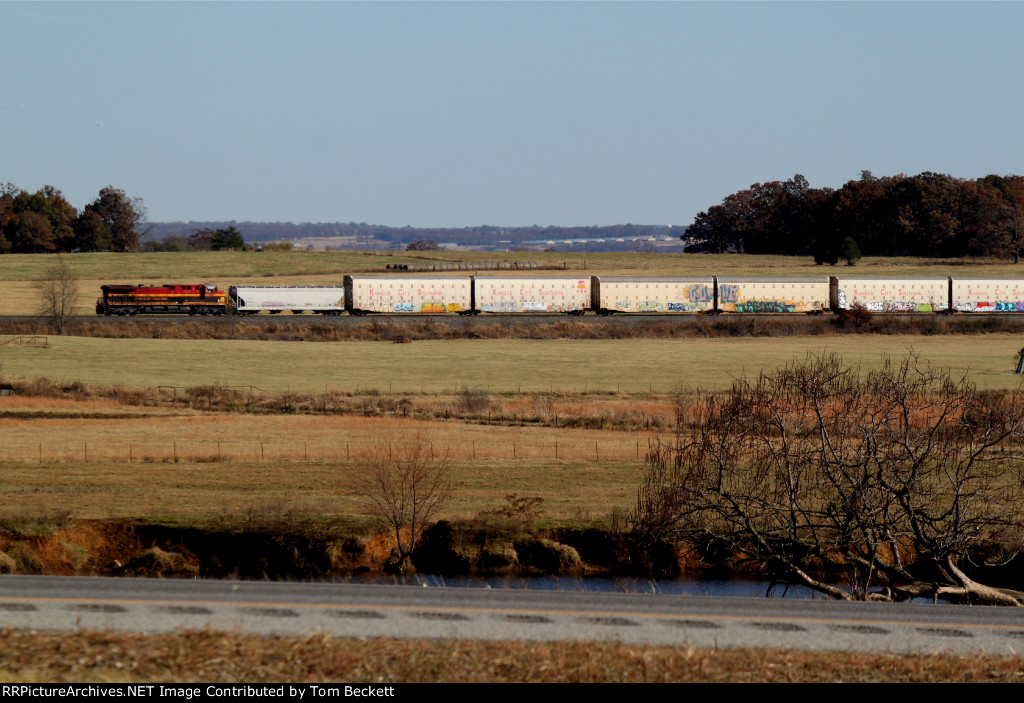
[[502, 113]]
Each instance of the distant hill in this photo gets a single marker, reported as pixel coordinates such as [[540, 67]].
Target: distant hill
[[363, 236]]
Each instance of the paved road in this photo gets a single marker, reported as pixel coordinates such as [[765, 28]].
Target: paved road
[[345, 610]]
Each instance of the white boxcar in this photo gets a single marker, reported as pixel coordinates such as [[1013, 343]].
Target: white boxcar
[[796, 294], [405, 294], [666, 294], [513, 294], [893, 294], [328, 300], [988, 294]]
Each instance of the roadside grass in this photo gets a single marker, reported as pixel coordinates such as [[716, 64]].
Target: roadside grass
[[560, 366], [199, 656]]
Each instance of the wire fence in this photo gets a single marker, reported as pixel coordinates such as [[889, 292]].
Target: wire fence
[[255, 451]]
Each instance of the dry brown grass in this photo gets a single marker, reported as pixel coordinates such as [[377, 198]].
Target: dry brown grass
[[142, 467], [213, 657], [309, 329]]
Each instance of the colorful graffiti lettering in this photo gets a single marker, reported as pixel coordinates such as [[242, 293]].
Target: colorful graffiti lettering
[[500, 306], [648, 306], [454, 307], [700, 293], [728, 293], [432, 307], [1003, 306], [405, 307], [765, 306], [686, 307], [891, 305]]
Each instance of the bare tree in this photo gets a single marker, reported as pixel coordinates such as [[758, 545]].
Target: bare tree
[[406, 486], [891, 484], [58, 294]]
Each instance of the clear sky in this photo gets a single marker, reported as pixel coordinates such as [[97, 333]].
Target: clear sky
[[501, 113]]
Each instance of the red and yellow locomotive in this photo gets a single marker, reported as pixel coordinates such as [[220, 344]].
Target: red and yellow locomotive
[[200, 299]]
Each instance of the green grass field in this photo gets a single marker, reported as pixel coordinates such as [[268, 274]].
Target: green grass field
[[499, 366]]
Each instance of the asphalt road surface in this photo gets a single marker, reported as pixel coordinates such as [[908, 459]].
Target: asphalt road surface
[[347, 610]]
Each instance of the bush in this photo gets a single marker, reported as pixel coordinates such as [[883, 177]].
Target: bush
[[878, 485]]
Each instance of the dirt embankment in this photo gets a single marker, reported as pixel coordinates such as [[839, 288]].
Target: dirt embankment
[[126, 548]]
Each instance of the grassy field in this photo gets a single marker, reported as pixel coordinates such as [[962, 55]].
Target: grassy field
[[498, 366], [18, 271], [103, 458], [225, 267], [190, 467]]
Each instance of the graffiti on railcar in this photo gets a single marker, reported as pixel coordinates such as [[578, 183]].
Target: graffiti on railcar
[[728, 293], [687, 307], [499, 306], [891, 305], [985, 306], [765, 306], [650, 306], [700, 293]]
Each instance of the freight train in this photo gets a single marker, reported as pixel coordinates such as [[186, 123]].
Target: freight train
[[576, 295]]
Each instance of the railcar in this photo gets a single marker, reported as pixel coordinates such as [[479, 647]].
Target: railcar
[[173, 298], [409, 295], [652, 294], [548, 294], [986, 295], [322, 300], [892, 294], [798, 294]]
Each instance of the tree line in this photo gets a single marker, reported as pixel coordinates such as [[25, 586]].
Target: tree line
[[930, 214], [45, 221]]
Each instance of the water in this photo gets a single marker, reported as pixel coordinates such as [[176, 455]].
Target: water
[[683, 586]]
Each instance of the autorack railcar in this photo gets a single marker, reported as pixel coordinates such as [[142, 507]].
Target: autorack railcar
[[540, 294], [986, 295], [892, 294], [652, 294], [408, 295], [801, 294]]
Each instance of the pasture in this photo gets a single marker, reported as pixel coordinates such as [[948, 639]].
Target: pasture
[[514, 366], [143, 468]]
